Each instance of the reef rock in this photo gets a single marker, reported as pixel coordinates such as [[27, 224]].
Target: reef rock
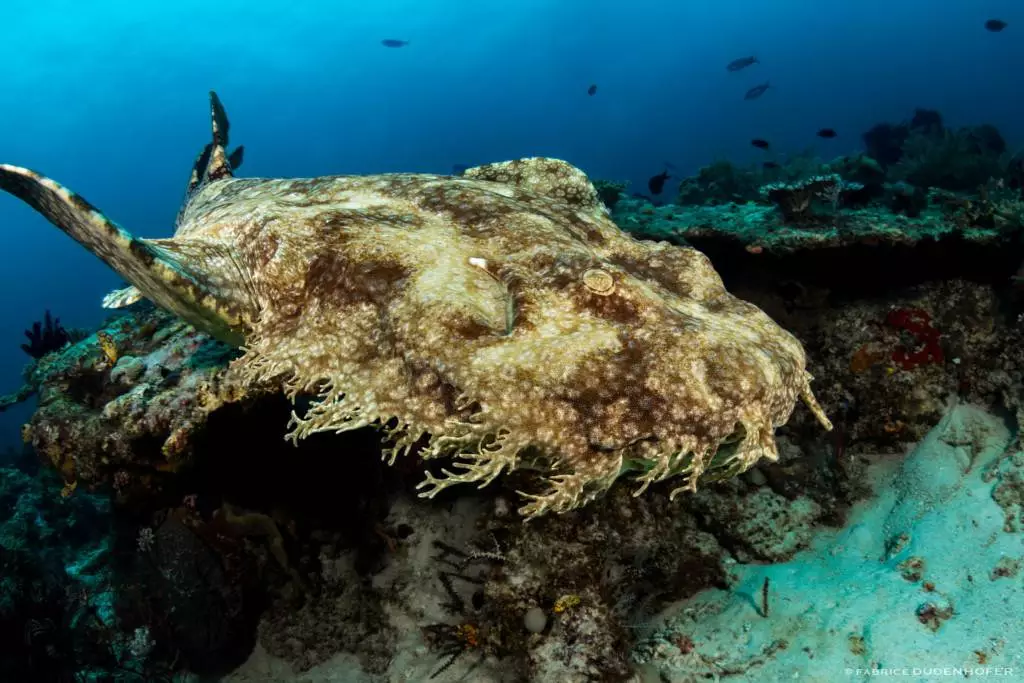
[[131, 397]]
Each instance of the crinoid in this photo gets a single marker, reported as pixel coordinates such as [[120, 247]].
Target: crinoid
[[45, 337]]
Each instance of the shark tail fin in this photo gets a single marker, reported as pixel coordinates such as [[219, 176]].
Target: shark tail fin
[[199, 287]]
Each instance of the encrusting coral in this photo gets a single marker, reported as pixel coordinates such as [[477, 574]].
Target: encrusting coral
[[500, 318], [795, 199], [101, 412]]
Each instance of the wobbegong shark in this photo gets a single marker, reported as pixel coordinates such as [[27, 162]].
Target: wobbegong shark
[[499, 319]]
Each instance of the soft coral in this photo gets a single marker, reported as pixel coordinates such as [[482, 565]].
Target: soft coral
[[918, 323], [45, 337]]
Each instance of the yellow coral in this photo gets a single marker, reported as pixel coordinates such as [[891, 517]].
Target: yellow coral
[[468, 634], [565, 603], [108, 346], [68, 489]]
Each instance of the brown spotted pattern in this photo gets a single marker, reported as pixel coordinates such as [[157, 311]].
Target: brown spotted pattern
[[500, 318], [503, 316]]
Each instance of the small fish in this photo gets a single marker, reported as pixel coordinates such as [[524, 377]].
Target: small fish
[[741, 63], [657, 183], [760, 144], [756, 91], [995, 25], [592, 90], [392, 42], [769, 165], [459, 169], [827, 133]]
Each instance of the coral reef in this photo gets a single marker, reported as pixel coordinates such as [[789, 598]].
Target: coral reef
[[323, 598], [720, 183], [92, 590], [991, 218], [471, 591], [958, 161], [610, 191], [926, 153], [994, 206], [795, 200], [724, 183], [906, 199], [67, 612], [128, 399], [906, 169], [391, 600], [318, 558], [884, 142]]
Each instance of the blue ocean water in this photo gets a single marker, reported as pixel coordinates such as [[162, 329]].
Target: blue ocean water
[[107, 97], [110, 99]]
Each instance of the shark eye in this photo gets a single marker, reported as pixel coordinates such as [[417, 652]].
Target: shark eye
[[599, 281]]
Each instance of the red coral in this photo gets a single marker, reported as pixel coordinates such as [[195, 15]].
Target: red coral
[[918, 323], [684, 643]]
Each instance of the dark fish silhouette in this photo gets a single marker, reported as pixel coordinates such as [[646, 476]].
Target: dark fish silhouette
[[995, 25], [827, 133], [769, 164], [459, 169], [657, 183], [392, 42], [760, 144], [741, 63], [592, 90], [756, 91]]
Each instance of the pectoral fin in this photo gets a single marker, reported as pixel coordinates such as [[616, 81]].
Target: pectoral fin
[[120, 298]]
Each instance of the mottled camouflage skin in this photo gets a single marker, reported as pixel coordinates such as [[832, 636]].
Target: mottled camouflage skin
[[501, 318]]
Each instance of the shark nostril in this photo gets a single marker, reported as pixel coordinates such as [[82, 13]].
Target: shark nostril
[[599, 281]]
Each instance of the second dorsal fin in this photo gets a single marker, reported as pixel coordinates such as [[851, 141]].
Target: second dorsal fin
[[552, 178]]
